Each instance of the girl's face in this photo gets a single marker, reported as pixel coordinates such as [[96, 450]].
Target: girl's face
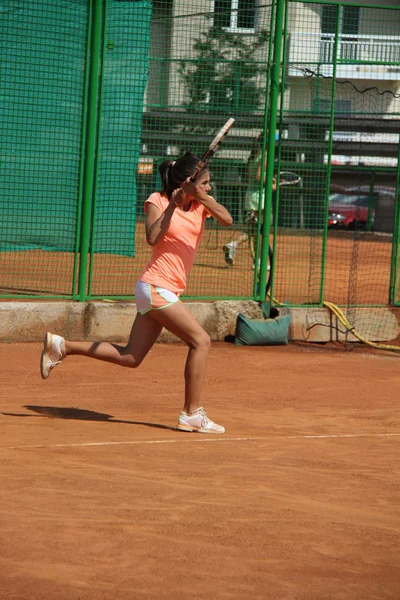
[[203, 181]]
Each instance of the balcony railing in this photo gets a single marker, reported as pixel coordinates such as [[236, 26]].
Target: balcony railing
[[358, 56]]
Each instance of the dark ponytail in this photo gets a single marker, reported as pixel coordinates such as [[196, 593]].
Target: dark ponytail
[[165, 174], [173, 173]]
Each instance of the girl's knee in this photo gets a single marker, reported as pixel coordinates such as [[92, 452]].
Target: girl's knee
[[130, 360], [202, 342]]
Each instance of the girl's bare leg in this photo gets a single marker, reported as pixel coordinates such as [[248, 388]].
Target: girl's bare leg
[[178, 319], [144, 334]]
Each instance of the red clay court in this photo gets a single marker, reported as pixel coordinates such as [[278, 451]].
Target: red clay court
[[102, 499]]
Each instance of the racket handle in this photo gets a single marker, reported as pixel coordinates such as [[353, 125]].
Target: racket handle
[[212, 148], [199, 167]]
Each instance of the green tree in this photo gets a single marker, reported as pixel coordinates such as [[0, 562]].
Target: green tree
[[226, 75]]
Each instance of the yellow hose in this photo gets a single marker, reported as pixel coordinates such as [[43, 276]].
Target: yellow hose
[[343, 320]]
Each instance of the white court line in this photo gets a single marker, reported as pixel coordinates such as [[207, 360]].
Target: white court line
[[196, 440]]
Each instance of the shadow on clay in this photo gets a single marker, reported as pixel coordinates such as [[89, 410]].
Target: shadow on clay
[[57, 412]]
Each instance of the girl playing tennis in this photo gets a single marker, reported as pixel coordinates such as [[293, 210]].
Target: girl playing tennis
[[175, 220]]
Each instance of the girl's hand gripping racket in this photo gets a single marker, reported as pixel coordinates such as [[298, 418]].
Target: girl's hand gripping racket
[[212, 147]]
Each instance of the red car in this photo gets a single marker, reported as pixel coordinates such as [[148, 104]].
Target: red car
[[350, 209]]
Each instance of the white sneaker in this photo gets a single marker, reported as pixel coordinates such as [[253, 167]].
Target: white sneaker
[[199, 422], [230, 251], [53, 353]]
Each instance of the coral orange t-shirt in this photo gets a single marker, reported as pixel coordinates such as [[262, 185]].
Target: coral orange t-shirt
[[173, 256]]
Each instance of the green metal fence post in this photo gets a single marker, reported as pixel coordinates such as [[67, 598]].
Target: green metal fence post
[[97, 148], [330, 151], [273, 119], [278, 166], [77, 255], [91, 141], [394, 264], [265, 130]]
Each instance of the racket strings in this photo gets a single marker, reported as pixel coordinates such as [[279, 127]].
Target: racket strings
[[289, 178]]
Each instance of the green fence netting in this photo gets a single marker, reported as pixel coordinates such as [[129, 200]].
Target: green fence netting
[[208, 62], [42, 72], [53, 128], [42, 83], [124, 78], [339, 118]]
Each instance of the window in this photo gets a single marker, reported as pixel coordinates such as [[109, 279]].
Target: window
[[235, 15], [349, 19]]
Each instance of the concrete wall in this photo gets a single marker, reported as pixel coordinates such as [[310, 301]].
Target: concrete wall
[[111, 321]]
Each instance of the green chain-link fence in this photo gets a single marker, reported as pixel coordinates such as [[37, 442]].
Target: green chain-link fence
[[96, 94], [72, 77], [337, 235], [42, 78]]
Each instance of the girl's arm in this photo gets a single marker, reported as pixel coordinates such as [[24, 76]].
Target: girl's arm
[[215, 209], [157, 222]]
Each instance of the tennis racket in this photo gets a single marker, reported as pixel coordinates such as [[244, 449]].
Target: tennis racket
[[288, 178], [212, 147]]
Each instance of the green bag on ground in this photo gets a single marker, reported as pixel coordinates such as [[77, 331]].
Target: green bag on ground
[[257, 332]]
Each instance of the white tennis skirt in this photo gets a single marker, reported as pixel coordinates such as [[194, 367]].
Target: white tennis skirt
[[152, 297]]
